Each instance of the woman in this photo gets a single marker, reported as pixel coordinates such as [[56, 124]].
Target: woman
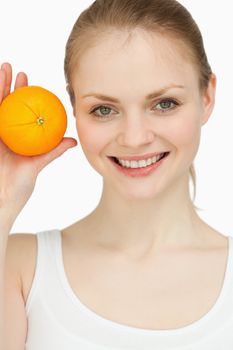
[[143, 270]]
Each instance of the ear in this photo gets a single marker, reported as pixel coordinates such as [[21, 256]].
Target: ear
[[209, 98]]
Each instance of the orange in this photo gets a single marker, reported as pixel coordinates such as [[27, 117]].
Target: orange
[[33, 121]]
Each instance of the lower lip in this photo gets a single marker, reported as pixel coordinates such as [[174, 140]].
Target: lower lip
[[138, 172]]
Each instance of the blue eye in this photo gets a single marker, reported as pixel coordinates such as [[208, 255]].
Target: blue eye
[[103, 110], [165, 103]]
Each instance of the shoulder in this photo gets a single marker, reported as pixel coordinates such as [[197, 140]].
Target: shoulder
[[21, 259]]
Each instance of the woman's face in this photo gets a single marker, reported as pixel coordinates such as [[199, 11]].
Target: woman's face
[[135, 125]]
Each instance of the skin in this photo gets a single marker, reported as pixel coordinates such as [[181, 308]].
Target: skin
[[142, 227], [139, 222], [141, 216]]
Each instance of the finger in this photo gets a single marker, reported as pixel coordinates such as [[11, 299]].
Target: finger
[[2, 83], [44, 159], [21, 80], [8, 69]]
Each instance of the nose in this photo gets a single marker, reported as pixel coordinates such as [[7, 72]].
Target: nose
[[135, 132]]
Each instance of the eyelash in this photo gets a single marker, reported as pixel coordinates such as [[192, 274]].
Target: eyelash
[[161, 101]]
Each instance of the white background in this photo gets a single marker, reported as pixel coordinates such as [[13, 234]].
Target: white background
[[33, 37]]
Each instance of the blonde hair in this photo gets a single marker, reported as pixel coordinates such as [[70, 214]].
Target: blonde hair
[[166, 17]]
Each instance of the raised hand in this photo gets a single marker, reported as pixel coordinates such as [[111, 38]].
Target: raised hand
[[18, 173]]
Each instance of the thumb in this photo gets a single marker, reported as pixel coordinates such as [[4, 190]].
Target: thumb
[[44, 159]]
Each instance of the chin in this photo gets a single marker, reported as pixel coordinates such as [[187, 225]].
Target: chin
[[140, 192]]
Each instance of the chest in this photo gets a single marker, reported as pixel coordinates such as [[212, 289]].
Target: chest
[[168, 292]]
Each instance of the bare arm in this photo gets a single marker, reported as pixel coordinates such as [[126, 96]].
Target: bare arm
[[18, 176], [6, 222]]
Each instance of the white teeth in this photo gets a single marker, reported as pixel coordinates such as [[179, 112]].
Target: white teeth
[[127, 163], [141, 163], [135, 164]]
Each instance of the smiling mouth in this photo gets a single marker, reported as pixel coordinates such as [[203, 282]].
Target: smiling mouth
[[136, 163]]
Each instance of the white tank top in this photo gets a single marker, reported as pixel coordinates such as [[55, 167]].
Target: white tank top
[[58, 320]]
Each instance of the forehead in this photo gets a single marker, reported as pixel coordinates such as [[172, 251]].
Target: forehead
[[138, 58]]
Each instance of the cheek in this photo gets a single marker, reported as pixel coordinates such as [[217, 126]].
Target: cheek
[[184, 132], [92, 138]]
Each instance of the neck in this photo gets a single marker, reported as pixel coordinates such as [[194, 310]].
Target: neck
[[139, 225]]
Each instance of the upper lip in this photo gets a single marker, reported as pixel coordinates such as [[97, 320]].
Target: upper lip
[[142, 157]]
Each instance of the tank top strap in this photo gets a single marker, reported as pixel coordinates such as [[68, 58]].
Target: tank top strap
[[49, 242], [45, 266]]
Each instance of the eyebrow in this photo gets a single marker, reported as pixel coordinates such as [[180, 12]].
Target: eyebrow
[[148, 97]]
